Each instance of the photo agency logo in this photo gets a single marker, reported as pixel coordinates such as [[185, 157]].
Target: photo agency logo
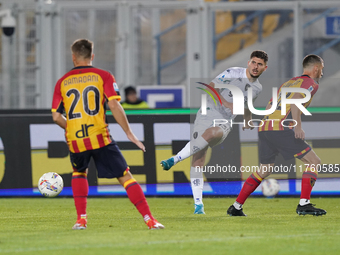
[[204, 97], [239, 101]]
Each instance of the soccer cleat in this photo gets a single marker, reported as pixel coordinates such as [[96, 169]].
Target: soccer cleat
[[154, 224], [168, 163], [199, 209], [309, 209], [80, 224], [232, 211]]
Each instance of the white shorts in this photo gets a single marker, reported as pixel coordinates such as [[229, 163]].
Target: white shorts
[[203, 122]]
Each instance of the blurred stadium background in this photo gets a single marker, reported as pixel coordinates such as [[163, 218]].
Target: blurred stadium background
[[161, 47]]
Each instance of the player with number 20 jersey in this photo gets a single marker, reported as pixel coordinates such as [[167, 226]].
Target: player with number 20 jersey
[[82, 92]]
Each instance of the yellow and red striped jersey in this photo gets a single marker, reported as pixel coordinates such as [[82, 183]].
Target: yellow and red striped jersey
[[303, 81], [82, 93]]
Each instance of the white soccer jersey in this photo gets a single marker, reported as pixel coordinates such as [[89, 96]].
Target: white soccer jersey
[[233, 76]]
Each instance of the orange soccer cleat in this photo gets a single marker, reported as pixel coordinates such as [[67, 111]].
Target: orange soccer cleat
[[154, 224], [80, 224]]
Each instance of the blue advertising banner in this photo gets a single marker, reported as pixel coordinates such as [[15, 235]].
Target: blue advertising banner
[[292, 187], [333, 25], [163, 96]]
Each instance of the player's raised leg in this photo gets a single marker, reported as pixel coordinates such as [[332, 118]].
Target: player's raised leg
[[197, 181], [137, 197], [309, 176], [210, 137], [188, 150], [250, 185]]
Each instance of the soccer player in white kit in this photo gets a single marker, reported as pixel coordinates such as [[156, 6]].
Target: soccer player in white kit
[[205, 134]]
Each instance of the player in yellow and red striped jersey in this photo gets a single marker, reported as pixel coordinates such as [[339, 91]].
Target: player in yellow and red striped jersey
[[82, 94], [303, 81], [275, 138]]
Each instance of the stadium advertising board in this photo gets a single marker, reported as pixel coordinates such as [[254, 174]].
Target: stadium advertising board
[[31, 144]]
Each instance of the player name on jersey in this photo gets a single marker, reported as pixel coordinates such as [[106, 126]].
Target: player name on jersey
[[81, 79]]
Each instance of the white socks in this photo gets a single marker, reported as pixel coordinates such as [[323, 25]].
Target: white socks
[[191, 148], [196, 174], [197, 181], [237, 205], [183, 154], [304, 201]]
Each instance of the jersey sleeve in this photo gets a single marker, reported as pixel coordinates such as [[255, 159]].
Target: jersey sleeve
[[57, 102], [311, 86], [224, 77], [111, 89]]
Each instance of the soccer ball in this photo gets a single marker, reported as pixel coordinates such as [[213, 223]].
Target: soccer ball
[[50, 184], [270, 187]]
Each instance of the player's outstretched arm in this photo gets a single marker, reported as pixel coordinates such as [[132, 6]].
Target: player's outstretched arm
[[119, 114], [59, 119], [296, 115]]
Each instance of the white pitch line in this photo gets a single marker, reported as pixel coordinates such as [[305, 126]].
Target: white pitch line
[[143, 243]]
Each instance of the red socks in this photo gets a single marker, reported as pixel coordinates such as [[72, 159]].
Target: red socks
[[80, 188], [136, 196], [308, 180], [249, 186]]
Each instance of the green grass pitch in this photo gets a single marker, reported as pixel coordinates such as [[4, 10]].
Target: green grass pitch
[[43, 226]]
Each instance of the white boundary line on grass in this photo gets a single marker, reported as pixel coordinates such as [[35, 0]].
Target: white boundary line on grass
[[143, 243]]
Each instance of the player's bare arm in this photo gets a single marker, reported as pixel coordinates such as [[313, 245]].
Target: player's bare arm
[[119, 115], [224, 102], [59, 119], [296, 114], [247, 117], [269, 105]]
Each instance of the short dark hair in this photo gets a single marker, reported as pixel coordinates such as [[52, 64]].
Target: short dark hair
[[311, 60], [82, 48], [260, 54], [130, 90]]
